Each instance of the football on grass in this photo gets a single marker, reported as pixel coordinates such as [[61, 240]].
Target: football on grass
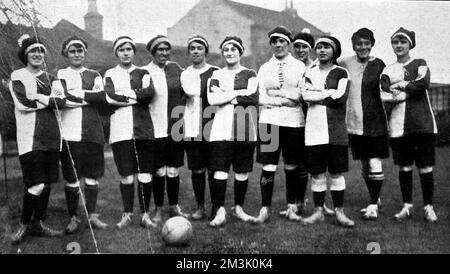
[[177, 231]]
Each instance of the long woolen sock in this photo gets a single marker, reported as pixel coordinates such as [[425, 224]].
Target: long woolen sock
[[319, 198], [266, 183], [406, 184], [30, 202], [292, 178], [221, 189], [338, 198], [40, 214], [427, 183], [375, 179], [90, 194], [159, 185], [173, 189], [72, 198], [300, 187], [127, 191], [240, 189], [198, 184]]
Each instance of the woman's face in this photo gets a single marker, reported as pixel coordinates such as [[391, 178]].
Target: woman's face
[[324, 52], [280, 47], [197, 52], [362, 48], [76, 55], [35, 57], [162, 54], [302, 51], [231, 54], [400, 45], [125, 53]]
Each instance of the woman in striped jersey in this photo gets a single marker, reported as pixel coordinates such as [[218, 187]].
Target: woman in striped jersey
[[37, 97], [326, 140], [194, 81], [128, 89], [82, 152], [165, 108], [233, 89], [366, 118], [412, 126]]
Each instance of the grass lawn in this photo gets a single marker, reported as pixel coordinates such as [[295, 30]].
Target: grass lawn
[[276, 236]]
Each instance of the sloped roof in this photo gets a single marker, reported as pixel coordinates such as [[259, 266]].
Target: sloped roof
[[269, 18]]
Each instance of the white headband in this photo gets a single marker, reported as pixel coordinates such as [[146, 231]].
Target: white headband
[[158, 41], [327, 41], [35, 45], [122, 41], [75, 42], [284, 36], [301, 41], [193, 39], [235, 43], [404, 35]]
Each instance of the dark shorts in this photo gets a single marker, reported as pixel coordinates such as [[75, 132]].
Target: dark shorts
[[197, 153], [127, 160], [291, 143], [88, 158], [223, 154], [168, 153], [414, 148], [40, 167], [368, 147], [327, 157]]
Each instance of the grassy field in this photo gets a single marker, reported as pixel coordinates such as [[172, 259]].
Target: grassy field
[[276, 236]]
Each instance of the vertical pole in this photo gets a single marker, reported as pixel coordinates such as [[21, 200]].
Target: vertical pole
[[5, 169]]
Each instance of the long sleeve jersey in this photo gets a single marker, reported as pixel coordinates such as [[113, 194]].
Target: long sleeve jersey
[[326, 95], [365, 111], [130, 91], [83, 89], [234, 122], [195, 85], [414, 114], [268, 77], [36, 98], [168, 102]]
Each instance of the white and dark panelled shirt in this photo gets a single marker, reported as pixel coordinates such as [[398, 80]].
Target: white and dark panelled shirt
[[36, 121], [168, 100], [365, 111], [238, 121], [129, 92], [80, 119], [195, 84], [414, 114], [325, 119]]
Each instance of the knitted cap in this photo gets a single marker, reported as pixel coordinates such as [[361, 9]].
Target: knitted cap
[[74, 40], [26, 44], [410, 35], [120, 41], [199, 39], [333, 42], [155, 41], [234, 40], [281, 31], [364, 33], [304, 38]]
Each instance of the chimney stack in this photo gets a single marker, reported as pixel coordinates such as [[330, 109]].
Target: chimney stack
[[93, 20]]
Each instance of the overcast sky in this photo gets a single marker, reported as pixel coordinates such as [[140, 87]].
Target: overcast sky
[[142, 19]]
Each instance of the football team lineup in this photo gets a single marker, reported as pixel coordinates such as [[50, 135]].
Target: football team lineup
[[209, 125]]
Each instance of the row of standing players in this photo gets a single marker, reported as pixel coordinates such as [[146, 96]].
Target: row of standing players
[[309, 108]]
